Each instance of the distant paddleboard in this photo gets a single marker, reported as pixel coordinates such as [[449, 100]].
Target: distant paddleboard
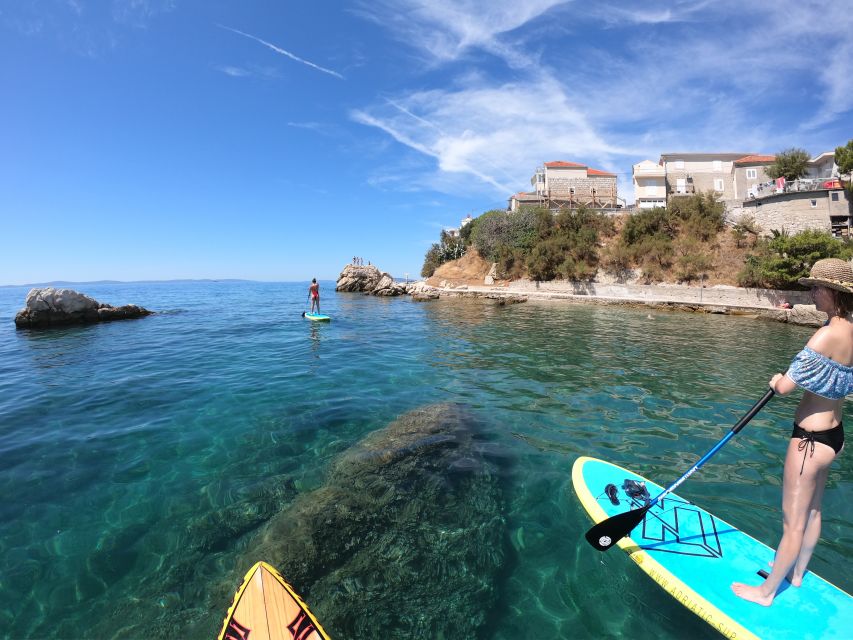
[[316, 317], [695, 557], [267, 608]]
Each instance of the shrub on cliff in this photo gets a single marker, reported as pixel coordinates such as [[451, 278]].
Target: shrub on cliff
[[692, 261], [450, 248], [701, 216], [654, 239], [516, 229], [570, 250], [546, 257], [778, 262]]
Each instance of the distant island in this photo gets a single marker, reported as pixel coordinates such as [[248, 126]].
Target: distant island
[[65, 283]]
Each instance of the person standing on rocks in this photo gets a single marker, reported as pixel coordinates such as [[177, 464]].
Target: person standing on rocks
[[314, 295]]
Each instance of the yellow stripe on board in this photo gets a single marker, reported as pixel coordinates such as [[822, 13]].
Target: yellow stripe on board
[[266, 607], [669, 582]]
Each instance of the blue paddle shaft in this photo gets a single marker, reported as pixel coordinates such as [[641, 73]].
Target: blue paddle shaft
[[731, 434]]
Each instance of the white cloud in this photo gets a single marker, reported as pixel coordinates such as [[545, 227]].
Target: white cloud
[[497, 134], [284, 52], [137, 13], [446, 29], [672, 76], [235, 72]]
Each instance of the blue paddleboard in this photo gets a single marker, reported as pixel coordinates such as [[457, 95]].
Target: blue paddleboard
[[317, 317], [695, 557]]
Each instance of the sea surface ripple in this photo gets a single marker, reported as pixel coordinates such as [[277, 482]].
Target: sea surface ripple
[[115, 438]]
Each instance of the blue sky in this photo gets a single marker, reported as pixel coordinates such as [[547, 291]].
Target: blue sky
[[159, 139]]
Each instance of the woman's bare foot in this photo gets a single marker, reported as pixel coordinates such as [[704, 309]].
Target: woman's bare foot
[[753, 594]]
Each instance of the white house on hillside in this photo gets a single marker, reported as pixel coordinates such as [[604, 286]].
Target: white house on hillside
[[689, 173], [649, 185]]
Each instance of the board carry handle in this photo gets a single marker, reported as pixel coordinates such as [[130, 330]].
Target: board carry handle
[[608, 532]]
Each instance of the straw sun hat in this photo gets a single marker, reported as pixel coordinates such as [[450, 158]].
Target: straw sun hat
[[830, 272]]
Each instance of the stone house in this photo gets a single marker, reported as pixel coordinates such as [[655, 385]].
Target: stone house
[[568, 185], [793, 211], [748, 172]]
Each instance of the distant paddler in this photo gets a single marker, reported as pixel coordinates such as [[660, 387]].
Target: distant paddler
[[314, 295]]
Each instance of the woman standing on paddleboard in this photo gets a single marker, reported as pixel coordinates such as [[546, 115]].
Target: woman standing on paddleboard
[[314, 295], [823, 370]]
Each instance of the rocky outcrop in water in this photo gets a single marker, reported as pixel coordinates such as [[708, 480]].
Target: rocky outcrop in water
[[368, 279], [421, 291], [358, 278], [406, 538], [51, 307]]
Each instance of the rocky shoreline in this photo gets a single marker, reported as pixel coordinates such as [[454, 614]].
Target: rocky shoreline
[[718, 300]]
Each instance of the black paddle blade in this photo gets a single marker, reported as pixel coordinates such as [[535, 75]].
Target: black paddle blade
[[608, 532]]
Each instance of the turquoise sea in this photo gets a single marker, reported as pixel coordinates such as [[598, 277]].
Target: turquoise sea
[[123, 444]]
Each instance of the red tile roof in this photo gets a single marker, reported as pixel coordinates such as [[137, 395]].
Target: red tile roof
[[561, 163], [755, 159], [576, 165], [523, 194]]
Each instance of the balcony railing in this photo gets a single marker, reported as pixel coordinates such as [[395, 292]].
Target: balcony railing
[[684, 190], [770, 188]]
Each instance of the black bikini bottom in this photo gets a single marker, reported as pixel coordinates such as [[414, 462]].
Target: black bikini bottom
[[831, 437]]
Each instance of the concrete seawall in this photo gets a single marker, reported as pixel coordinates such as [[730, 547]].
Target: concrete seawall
[[759, 303]]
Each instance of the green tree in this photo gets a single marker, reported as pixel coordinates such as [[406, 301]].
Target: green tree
[[646, 223], [844, 160], [745, 226], [450, 248], [546, 258], [778, 262], [789, 164], [432, 260]]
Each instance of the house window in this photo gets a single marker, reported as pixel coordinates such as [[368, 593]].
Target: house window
[[718, 184], [813, 203], [835, 197], [751, 174], [718, 165], [681, 185], [679, 164]]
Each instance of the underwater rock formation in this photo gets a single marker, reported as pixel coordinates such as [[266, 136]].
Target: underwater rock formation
[[406, 538]]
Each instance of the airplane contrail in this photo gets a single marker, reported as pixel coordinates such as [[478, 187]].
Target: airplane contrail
[[284, 53]]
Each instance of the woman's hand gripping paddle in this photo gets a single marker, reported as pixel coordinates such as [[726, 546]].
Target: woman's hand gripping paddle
[[608, 532]]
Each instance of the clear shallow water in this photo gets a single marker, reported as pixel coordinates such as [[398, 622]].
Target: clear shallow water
[[115, 439]]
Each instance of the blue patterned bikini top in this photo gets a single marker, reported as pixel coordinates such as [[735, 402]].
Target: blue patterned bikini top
[[821, 375]]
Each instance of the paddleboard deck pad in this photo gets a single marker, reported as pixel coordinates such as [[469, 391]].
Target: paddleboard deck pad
[[695, 557], [267, 608], [317, 317]]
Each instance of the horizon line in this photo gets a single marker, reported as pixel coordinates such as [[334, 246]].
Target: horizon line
[[53, 283]]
